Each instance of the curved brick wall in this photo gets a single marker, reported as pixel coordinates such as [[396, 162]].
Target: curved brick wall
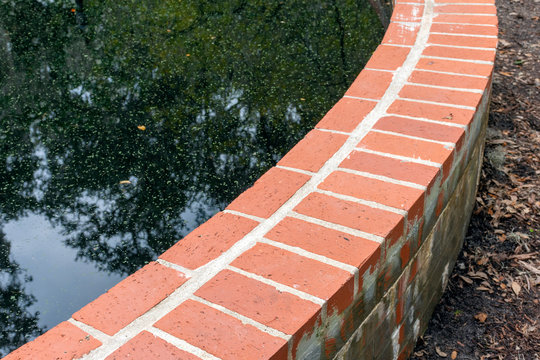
[[342, 249]]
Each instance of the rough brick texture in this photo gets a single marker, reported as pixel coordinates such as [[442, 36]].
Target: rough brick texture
[[342, 250]]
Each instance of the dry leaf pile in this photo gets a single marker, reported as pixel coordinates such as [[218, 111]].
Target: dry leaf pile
[[491, 308]]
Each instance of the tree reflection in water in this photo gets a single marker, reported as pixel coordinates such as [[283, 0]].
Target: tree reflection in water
[[121, 123]]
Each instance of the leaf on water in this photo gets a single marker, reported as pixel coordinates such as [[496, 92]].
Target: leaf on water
[[481, 317], [141, 127], [125, 182], [516, 288], [440, 352]]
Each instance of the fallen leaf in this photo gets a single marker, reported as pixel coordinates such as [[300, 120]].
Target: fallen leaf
[[482, 261], [483, 288], [453, 355], [466, 279], [125, 182], [481, 317], [440, 352], [141, 127], [516, 288]]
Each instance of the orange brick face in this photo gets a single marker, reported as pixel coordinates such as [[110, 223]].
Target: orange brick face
[[356, 216], [259, 301], [147, 346], [144, 289], [209, 241], [392, 168], [63, 342], [336, 245], [313, 151], [268, 193]]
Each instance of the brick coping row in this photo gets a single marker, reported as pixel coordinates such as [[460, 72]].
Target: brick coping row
[[284, 261]]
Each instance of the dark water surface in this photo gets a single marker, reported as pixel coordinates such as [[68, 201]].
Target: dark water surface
[[126, 124]]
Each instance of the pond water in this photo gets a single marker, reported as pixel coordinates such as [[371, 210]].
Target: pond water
[[125, 124]]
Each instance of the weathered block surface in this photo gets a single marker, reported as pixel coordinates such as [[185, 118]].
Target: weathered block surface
[[342, 250]]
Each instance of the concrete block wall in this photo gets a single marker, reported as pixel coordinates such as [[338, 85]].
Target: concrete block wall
[[342, 249]]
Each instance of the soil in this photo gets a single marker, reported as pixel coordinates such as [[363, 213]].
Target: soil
[[491, 307]]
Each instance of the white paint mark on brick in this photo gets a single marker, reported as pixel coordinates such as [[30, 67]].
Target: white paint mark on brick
[[333, 131], [359, 98], [278, 286], [305, 172], [310, 255], [476, 91], [245, 320], [181, 344], [90, 330], [383, 178], [186, 271], [402, 158], [337, 227], [372, 204], [438, 103], [458, 59], [238, 213], [429, 120], [447, 145], [451, 73]]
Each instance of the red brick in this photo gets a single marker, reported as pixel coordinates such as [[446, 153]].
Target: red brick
[[388, 57], [65, 341], [333, 244], [401, 146], [463, 40], [146, 346], [466, 19], [268, 193], [357, 216], [431, 112], [313, 151], [460, 53], [301, 273], [346, 115], [209, 241], [423, 129], [371, 84], [466, 1], [382, 192], [407, 12], [261, 302], [130, 298], [446, 96], [464, 29], [465, 9], [460, 67], [392, 168], [449, 80], [220, 334], [401, 34]]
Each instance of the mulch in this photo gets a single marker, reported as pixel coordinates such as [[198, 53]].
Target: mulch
[[491, 307]]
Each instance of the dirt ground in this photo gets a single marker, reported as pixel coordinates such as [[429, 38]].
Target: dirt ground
[[491, 307]]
